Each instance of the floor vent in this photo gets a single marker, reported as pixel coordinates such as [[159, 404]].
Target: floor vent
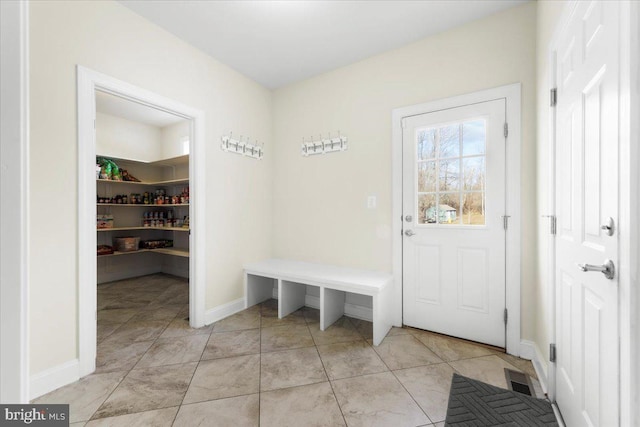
[[519, 382]]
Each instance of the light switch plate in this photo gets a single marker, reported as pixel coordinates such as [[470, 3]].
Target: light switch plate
[[372, 202]]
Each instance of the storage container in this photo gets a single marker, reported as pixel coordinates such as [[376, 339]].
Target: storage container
[[105, 221], [126, 244]]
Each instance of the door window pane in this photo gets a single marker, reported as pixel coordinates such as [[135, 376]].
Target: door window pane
[[449, 141], [427, 143], [426, 177], [473, 171], [449, 175], [473, 208], [426, 208], [473, 138], [449, 208]]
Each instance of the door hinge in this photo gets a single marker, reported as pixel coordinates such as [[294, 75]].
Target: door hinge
[[552, 223], [506, 316], [506, 130], [505, 221], [553, 97], [552, 353]]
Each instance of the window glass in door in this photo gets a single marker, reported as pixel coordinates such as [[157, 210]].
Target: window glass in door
[[451, 173]]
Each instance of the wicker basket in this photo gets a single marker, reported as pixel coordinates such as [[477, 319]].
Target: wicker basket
[[127, 244]]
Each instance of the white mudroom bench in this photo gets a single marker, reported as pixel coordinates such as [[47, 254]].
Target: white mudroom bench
[[292, 278]]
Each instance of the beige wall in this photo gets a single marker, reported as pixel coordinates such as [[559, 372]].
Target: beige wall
[[171, 139], [548, 17], [320, 211], [109, 38], [122, 138]]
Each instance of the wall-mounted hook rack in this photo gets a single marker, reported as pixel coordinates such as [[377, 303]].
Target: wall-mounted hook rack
[[323, 145], [239, 146]]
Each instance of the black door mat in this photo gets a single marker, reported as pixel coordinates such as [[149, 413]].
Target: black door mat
[[473, 403]]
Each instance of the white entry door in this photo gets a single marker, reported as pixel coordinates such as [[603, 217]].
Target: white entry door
[[587, 367], [453, 206]]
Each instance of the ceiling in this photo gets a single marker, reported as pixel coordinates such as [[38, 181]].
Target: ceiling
[[277, 43], [130, 110]]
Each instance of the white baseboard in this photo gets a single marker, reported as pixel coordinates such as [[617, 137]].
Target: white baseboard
[[224, 310], [358, 311], [54, 378], [350, 310], [116, 272], [529, 350]]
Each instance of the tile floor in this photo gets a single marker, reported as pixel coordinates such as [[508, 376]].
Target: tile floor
[[254, 369]]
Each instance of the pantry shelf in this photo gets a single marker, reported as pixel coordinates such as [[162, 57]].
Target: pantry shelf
[[141, 204], [165, 251], [155, 183], [143, 228]]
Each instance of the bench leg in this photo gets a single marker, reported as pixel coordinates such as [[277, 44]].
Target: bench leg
[[291, 297], [257, 289], [381, 315], [331, 306]]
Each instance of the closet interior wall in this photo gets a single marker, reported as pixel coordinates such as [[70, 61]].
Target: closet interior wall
[[153, 154]]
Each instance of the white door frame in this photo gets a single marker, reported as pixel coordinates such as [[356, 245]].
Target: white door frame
[[88, 82], [629, 209], [14, 211], [513, 236]]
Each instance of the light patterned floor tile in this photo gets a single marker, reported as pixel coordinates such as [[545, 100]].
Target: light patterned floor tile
[[84, 396], [229, 377], [291, 368], [343, 360], [147, 389], [309, 405], [404, 351], [377, 400], [155, 418], [236, 343], [429, 386], [241, 411]]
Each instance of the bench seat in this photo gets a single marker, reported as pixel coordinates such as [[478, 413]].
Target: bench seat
[[292, 277]]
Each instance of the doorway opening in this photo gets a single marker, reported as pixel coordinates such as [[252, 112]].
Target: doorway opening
[[141, 180]]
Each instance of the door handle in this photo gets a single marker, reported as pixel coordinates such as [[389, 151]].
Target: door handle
[[608, 268], [409, 233]]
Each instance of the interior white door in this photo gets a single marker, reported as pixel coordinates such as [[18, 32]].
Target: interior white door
[[587, 367], [453, 206]]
